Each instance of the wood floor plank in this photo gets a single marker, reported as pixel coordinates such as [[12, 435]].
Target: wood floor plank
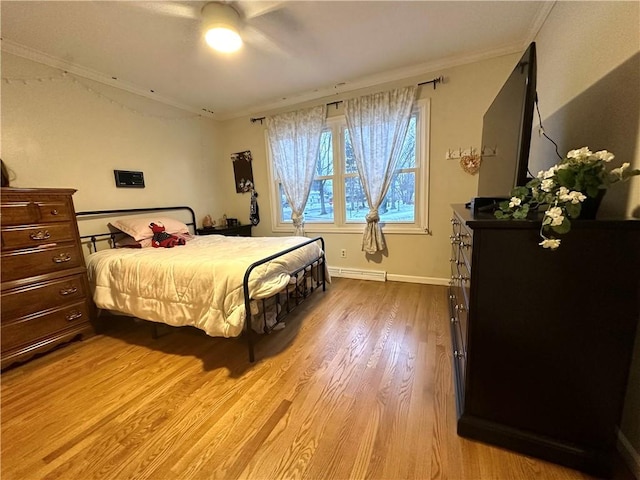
[[358, 385]]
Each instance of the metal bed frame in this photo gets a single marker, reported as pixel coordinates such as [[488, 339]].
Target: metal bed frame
[[294, 293]]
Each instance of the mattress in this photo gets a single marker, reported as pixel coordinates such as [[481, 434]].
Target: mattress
[[198, 284]]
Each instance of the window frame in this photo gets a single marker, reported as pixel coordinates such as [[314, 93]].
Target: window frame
[[337, 125]]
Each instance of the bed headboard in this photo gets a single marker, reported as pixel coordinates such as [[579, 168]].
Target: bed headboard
[[106, 214]]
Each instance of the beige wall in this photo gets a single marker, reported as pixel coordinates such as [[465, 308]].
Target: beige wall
[[588, 87], [61, 133], [588, 82], [457, 107]]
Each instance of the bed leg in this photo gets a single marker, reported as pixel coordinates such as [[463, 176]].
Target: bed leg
[[324, 277]]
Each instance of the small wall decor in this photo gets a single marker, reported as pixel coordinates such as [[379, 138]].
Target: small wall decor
[[469, 158], [125, 178], [471, 163], [254, 210], [242, 170]]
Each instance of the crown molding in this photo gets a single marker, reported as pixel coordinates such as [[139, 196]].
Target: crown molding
[[338, 89], [427, 68], [19, 50], [538, 22]]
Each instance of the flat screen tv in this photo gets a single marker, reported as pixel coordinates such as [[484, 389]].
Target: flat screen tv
[[506, 131]]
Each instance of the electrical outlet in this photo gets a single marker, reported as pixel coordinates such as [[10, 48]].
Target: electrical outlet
[[343, 253]]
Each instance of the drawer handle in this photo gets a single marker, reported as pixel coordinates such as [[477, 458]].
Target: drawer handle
[[41, 235], [61, 258], [74, 315], [68, 291], [54, 211]]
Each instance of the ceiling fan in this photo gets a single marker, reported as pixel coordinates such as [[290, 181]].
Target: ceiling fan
[[229, 21]]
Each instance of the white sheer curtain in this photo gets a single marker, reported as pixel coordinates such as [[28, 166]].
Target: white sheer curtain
[[377, 126], [294, 138]]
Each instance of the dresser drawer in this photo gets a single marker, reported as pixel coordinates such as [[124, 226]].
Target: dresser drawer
[[38, 209], [40, 296], [35, 327], [34, 235], [37, 261]]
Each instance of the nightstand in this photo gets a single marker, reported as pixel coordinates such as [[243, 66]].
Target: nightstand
[[237, 231]]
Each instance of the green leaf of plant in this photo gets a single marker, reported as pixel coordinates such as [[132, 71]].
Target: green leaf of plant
[[564, 227], [566, 178], [573, 209]]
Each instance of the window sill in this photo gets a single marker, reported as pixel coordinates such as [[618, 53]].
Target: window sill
[[353, 229]]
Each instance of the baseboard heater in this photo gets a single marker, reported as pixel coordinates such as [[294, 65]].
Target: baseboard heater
[[358, 274]]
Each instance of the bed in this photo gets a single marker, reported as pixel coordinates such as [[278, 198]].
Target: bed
[[225, 286]]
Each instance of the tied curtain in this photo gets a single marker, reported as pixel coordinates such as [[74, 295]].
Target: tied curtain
[[294, 138], [377, 127]]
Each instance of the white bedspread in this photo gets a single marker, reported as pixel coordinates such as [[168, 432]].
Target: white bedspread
[[198, 284]]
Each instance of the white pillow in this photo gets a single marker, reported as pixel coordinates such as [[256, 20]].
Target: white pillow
[[138, 227]]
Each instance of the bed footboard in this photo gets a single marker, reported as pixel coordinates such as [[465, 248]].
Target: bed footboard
[[305, 281]]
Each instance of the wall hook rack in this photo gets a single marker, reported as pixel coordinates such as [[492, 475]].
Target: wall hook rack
[[458, 153], [487, 151]]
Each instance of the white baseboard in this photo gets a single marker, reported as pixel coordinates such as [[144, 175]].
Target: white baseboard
[[382, 276], [416, 279], [629, 454]]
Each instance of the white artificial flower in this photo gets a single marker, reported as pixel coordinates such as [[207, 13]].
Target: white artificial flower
[[547, 185], [605, 156], [551, 243], [563, 166], [555, 214], [564, 195], [540, 174], [577, 197], [551, 172], [619, 171], [515, 202], [579, 153]]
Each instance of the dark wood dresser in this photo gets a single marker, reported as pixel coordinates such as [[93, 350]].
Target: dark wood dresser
[[236, 231], [45, 294], [543, 340]]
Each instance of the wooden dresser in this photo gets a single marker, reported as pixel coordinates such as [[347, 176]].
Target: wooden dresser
[[543, 340], [45, 294]]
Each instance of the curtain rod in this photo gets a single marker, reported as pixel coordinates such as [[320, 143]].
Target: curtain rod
[[435, 81]]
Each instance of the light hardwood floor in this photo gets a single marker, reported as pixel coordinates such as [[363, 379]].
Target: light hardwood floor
[[358, 385]]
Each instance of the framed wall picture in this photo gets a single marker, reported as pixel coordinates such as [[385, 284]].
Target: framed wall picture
[[242, 171]]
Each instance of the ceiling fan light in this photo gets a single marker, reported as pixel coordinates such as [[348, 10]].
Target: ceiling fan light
[[223, 39], [220, 23]]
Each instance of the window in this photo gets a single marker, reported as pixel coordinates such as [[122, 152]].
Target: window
[[337, 202]]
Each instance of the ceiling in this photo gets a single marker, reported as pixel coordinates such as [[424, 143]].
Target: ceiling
[[294, 50]]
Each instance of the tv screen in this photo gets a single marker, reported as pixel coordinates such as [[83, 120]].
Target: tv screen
[[506, 131]]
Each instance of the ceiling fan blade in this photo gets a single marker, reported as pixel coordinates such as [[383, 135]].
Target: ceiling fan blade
[[172, 9], [253, 9], [262, 41]]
